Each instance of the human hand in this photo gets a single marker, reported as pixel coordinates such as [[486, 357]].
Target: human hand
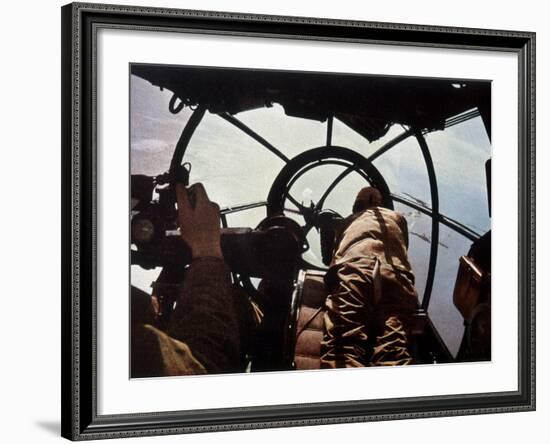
[[199, 223]]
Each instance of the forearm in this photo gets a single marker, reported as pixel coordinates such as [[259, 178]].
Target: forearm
[[204, 317]]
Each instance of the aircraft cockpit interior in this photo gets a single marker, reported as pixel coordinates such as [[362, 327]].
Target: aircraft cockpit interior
[[279, 151]]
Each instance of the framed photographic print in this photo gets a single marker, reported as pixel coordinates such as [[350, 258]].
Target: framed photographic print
[[278, 221]]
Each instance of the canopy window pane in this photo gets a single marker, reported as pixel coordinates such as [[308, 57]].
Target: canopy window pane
[[405, 172], [233, 167], [420, 229], [459, 154], [342, 197], [154, 130], [290, 135], [446, 318]]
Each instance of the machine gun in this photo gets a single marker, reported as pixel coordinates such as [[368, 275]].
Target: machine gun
[[271, 250]]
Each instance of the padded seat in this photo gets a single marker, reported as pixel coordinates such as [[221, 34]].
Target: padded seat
[[310, 322]]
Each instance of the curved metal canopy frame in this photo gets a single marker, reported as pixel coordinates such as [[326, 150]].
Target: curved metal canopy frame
[[311, 159], [433, 212], [434, 192]]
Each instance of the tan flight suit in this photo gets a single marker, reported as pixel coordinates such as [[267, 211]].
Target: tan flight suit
[[202, 334], [372, 298]]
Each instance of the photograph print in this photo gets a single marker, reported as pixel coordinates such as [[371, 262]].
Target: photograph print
[[292, 221]]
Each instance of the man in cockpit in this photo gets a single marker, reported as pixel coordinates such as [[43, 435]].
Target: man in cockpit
[[202, 333], [372, 299]]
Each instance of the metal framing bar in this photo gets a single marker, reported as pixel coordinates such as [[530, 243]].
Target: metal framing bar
[[390, 144], [447, 221], [185, 137], [386, 147], [330, 122], [462, 118], [244, 207], [333, 185], [317, 164], [305, 170], [434, 246], [250, 132]]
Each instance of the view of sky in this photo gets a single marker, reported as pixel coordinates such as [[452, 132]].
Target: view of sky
[[235, 169]]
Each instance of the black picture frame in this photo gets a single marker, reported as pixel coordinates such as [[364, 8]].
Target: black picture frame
[[79, 396]]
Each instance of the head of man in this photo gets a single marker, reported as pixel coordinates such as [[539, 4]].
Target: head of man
[[367, 197]]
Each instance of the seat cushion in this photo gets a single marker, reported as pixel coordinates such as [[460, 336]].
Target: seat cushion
[[310, 323]]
